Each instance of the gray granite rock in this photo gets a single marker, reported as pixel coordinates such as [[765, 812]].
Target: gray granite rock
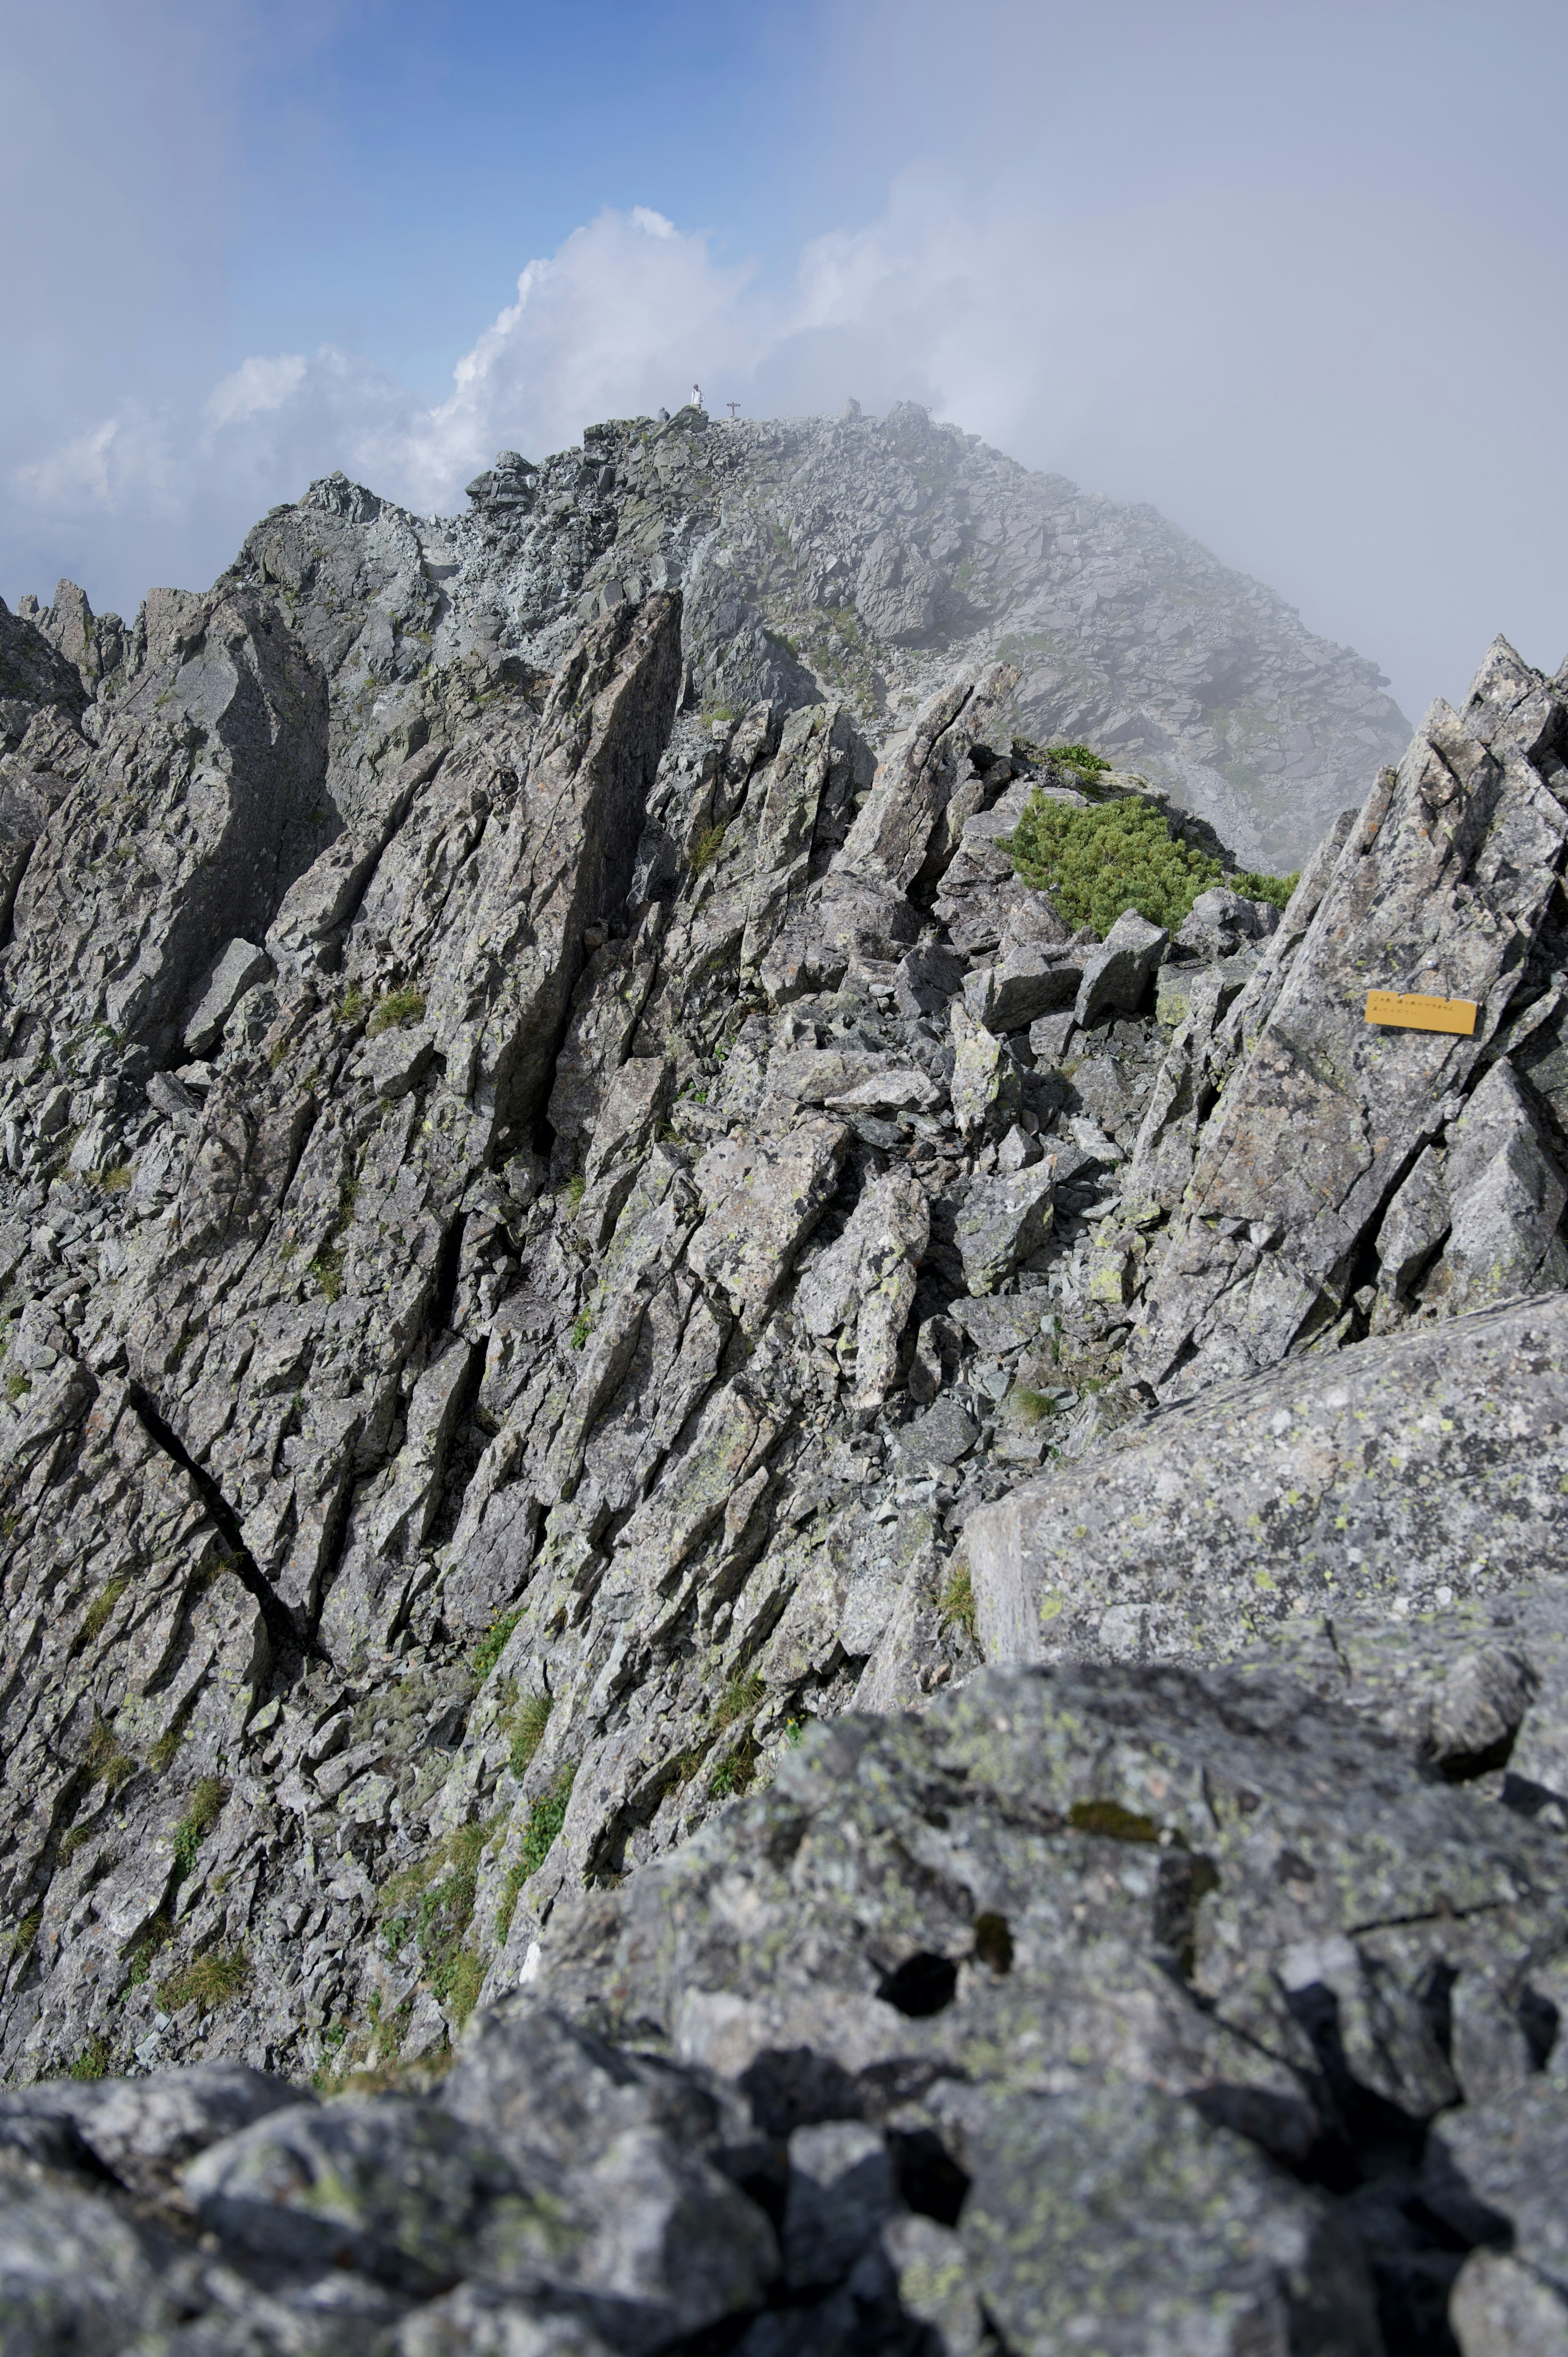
[[1005, 1221], [1119, 973], [1394, 1479]]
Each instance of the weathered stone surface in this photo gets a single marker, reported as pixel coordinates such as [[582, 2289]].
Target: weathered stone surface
[[1119, 973], [1220, 922], [1395, 1477], [1499, 2308], [1442, 885], [1005, 1221], [241, 965], [864, 1284], [1023, 985]]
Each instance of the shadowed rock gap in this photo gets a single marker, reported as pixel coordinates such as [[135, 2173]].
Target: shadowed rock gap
[[280, 1629]]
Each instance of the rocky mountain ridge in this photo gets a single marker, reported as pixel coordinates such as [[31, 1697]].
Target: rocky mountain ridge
[[862, 560], [565, 1240]]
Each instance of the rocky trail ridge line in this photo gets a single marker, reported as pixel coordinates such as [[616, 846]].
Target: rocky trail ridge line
[[579, 1250]]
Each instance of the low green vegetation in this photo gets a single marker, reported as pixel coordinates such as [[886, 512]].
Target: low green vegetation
[[738, 1701], [740, 1698], [96, 1616], [958, 1602], [326, 1268], [208, 1981], [582, 1327], [576, 1187], [432, 1903], [162, 1754], [546, 1819], [707, 847], [398, 1009], [156, 1936], [493, 1644], [1097, 863], [1083, 758], [92, 2061], [206, 1808], [108, 1762], [527, 1727]]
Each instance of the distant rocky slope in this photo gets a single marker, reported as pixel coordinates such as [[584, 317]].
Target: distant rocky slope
[[901, 1565]]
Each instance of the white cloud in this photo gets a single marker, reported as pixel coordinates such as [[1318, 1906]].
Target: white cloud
[[1245, 365], [619, 321], [256, 386]]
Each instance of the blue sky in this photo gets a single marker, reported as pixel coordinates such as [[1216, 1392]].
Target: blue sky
[[1294, 274]]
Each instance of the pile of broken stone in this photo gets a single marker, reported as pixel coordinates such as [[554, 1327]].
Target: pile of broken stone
[[1023, 1479]]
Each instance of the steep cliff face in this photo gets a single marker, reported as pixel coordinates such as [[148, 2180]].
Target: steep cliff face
[[558, 1228]]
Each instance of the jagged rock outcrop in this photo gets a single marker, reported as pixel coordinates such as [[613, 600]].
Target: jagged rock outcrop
[[555, 1232], [1145, 2009]]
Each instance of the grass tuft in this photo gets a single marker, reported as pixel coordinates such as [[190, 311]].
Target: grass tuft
[[398, 1009], [351, 1006], [161, 1756], [493, 1644], [96, 1616], [707, 847], [206, 1808], [739, 1699], [93, 2062], [208, 1981], [528, 1731], [546, 1819], [107, 1763], [958, 1602], [326, 1268], [157, 1935]]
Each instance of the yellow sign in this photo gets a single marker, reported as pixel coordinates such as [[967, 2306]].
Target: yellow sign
[[1409, 1009]]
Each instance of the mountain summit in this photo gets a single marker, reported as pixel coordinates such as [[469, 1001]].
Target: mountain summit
[[862, 561]]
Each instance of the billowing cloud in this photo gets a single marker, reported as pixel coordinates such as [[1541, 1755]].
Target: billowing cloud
[[1233, 353], [622, 320]]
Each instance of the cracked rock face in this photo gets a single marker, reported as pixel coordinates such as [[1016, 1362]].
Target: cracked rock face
[[578, 1254]]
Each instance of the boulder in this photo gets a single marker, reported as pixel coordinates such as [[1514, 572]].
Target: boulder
[[1024, 984], [1395, 1476], [1119, 973], [1220, 922], [1003, 1220], [240, 965]]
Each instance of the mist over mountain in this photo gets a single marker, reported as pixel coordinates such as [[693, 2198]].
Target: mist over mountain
[[861, 559]]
